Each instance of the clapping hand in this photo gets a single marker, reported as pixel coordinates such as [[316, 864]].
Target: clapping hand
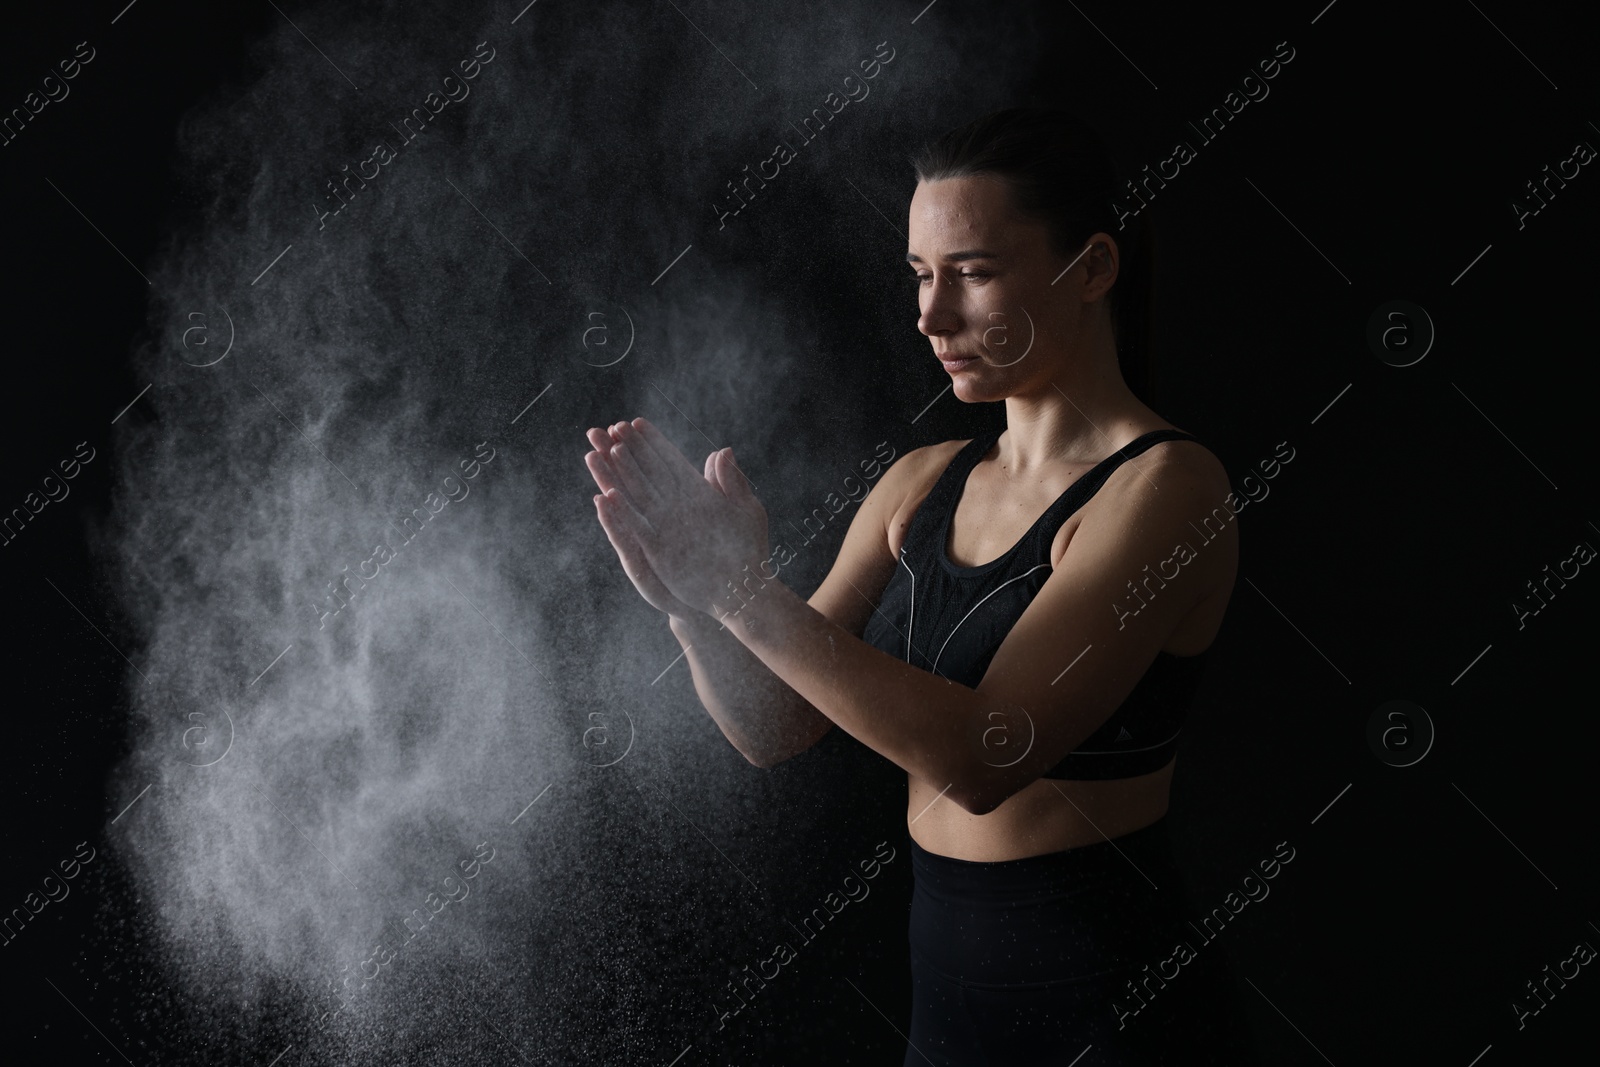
[[682, 536]]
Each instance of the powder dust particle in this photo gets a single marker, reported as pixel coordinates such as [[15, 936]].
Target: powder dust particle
[[372, 759]]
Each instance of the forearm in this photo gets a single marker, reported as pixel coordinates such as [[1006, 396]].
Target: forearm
[[927, 725], [760, 714]]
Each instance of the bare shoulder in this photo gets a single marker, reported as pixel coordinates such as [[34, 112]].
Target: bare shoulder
[[871, 548], [907, 483], [1185, 464], [1171, 479], [1179, 486]]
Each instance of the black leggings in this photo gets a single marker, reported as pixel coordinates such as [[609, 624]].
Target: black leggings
[[1029, 961]]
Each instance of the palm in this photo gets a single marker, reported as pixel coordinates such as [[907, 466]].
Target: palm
[[655, 512]]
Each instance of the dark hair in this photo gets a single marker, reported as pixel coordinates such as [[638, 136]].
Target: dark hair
[[1060, 171]]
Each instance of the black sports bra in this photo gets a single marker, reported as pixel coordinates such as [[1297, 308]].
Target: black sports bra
[[951, 620]]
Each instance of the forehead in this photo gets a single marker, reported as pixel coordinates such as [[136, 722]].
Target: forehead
[[964, 213]]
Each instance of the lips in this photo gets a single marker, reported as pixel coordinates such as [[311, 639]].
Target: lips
[[953, 361]]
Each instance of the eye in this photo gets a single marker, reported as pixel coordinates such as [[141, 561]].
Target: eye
[[923, 279]]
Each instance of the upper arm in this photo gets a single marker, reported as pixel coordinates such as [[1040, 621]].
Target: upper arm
[[855, 583], [1138, 564], [850, 593]]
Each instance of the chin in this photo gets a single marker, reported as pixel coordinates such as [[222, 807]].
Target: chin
[[976, 393]]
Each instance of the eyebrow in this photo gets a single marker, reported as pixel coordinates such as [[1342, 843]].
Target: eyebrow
[[971, 253]]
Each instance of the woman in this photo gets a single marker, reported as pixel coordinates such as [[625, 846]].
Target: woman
[[1016, 620]]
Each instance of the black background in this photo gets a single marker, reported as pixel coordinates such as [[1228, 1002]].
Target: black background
[[1392, 546]]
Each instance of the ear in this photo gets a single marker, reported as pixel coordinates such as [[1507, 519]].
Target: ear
[[1103, 264]]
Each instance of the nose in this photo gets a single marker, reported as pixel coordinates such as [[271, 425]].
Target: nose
[[940, 313]]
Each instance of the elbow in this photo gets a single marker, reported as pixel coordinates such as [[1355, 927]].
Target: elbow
[[978, 806], [978, 801], [782, 748], [983, 796], [762, 760], [769, 756]]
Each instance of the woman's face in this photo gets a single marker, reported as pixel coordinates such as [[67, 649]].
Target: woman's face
[[984, 278]]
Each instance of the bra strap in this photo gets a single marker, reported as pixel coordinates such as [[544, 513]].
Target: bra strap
[[1078, 493], [935, 507], [933, 513]]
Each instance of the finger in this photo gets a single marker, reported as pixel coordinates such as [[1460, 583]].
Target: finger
[[734, 477], [632, 557], [613, 524], [599, 439], [600, 470], [637, 544], [634, 563], [672, 461], [734, 485], [727, 479], [736, 488], [607, 476], [645, 493], [653, 464], [628, 519], [714, 469]]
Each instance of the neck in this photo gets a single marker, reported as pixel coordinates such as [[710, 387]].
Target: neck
[[1079, 414]]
